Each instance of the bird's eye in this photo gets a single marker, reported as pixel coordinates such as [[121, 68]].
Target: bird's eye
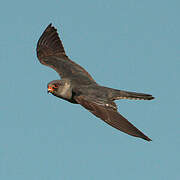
[[55, 86]]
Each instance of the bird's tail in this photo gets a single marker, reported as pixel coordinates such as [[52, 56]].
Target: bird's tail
[[119, 94]]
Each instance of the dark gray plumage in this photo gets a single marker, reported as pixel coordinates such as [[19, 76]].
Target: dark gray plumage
[[77, 86]]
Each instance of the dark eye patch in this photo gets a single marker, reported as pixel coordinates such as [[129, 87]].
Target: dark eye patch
[[55, 85]]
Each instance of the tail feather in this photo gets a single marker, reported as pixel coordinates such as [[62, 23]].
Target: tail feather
[[119, 94]]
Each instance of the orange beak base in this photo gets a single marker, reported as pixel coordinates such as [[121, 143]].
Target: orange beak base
[[50, 89]]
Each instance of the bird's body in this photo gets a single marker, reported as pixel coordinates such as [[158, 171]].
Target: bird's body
[[77, 86]]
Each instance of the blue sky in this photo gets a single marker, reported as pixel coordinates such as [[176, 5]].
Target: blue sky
[[130, 45]]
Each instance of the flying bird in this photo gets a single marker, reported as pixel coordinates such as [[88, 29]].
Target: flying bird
[[77, 85]]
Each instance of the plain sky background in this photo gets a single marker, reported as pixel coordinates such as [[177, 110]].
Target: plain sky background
[[125, 44]]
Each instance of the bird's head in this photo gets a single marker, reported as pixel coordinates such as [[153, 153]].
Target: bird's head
[[53, 86], [61, 88]]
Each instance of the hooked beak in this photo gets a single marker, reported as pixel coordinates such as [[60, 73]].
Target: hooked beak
[[50, 90]]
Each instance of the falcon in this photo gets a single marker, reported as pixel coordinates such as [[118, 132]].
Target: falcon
[[77, 85]]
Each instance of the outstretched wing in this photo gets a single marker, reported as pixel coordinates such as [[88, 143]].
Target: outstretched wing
[[50, 52], [108, 113]]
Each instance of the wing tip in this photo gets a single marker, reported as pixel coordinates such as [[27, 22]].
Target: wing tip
[[49, 27], [49, 43], [147, 139]]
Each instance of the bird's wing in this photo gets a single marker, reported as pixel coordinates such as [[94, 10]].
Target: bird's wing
[[50, 52], [108, 113]]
